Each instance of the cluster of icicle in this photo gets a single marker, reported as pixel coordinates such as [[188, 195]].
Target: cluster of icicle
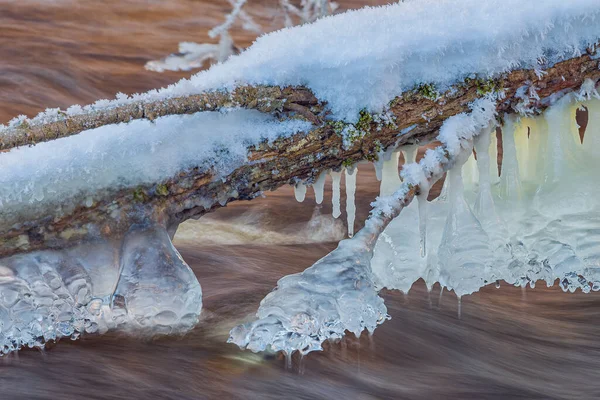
[[139, 283], [339, 292], [537, 220]]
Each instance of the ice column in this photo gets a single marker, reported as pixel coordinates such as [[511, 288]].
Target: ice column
[[397, 261], [522, 148], [300, 192], [464, 249], [390, 179], [350, 198], [470, 172], [319, 187], [157, 289], [510, 182], [336, 178], [495, 177]]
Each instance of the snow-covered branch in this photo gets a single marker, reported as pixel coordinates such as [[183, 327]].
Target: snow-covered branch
[[370, 93]]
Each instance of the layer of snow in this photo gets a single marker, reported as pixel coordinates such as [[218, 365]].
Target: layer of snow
[[54, 173], [364, 58]]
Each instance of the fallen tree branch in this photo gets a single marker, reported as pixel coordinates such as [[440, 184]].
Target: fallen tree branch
[[417, 116]]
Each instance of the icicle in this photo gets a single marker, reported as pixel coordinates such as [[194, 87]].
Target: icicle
[[336, 178], [538, 137], [482, 142], [591, 140], [319, 187], [378, 164], [510, 182], [485, 209], [300, 191], [410, 156], [410, 153], [493, 152], [562, 157], [350, 201], [522, 148], [464, 248], [470, 172], [390, 179], [423, 205]]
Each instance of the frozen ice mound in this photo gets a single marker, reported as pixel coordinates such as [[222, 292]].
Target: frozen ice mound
[[334, 295], [140, 284]]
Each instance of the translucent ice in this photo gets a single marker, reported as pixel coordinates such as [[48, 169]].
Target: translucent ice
[[319, 187], [138, 284], [350, 198], [338, 293], [300, 192], [336, 178], [390, 178]]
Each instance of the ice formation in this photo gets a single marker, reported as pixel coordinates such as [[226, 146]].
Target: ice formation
[[539, 222], [319, 187], [336, 178], [350, 198], [300, 192], [354, 60], [389, 173], [140, 283], [339, 292]]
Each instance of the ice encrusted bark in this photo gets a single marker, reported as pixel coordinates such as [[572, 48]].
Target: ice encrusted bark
[[139, 284]]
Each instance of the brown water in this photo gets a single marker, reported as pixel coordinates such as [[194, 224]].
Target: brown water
[[508, 344]]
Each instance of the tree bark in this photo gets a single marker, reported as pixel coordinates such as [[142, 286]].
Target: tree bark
[[304, 156]]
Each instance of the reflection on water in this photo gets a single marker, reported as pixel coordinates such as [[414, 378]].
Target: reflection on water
[[509, 343]]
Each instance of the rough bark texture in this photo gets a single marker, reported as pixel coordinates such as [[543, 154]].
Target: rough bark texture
[[193, 193]]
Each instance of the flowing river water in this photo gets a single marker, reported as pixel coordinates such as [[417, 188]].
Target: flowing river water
[[509, 343]]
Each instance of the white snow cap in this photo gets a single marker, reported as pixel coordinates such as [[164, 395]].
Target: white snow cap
[[364, 58]]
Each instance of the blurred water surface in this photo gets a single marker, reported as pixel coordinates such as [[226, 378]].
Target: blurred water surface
[[508, 344]]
